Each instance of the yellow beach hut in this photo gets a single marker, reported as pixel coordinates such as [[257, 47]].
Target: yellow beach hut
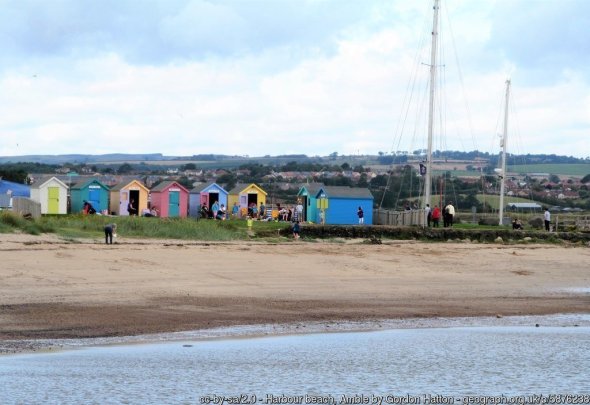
[[246, 196], [126, 191]]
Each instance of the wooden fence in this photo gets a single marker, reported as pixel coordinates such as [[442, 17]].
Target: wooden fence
[[399, 218], [26, 207], [568, 222]]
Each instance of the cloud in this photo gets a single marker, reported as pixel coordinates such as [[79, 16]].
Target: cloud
[[257, 78]]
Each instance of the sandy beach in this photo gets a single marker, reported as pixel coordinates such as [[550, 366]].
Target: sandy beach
[[52, 288]]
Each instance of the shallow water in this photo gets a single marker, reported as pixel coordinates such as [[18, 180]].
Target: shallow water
[[489, 360]]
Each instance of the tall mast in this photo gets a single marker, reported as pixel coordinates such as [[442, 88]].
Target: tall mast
[[504, 142], [428, 177]]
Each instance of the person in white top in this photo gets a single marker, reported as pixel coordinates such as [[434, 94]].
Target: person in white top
[[299, 210], [547, 218], [448, 214]]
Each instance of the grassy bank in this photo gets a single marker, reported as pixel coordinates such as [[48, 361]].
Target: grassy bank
[[484, 234], [91, 226]]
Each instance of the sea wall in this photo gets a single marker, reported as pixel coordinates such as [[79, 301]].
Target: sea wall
[[377, 232]]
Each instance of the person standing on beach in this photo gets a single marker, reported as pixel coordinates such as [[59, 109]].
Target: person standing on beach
[[214, 209], [296, 230], [449, 214], [109, 230], [435, 216], [361, 216], [262, 211], [299, 210], [547, 218]]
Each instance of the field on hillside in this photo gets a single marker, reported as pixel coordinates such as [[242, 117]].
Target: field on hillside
[[494, 200], [564, 169]]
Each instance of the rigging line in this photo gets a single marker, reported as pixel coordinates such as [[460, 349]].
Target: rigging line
[[518, 138], [413, 138], [461, 81], [407, 102], [499, 119], [421, 111], [408, 96], [440, 90]]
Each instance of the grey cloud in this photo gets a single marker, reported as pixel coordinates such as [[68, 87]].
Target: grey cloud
[[544, 37], [160, 31]]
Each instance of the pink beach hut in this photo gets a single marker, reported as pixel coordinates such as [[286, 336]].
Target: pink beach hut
[[170, 199]]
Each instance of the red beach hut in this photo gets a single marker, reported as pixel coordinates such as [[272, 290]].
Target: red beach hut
[[170, 199]]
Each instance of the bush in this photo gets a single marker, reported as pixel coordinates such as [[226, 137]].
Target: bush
[[11, 219], [537, 223]]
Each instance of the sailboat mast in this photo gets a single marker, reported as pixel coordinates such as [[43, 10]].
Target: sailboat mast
[[428, 177], [504, 142]]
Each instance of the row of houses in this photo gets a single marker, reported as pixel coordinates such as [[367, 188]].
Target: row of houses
[[333, 205]]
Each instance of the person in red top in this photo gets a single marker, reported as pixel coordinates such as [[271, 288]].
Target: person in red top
[[435, 216]]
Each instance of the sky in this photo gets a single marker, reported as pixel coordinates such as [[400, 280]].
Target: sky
[[276, 77]]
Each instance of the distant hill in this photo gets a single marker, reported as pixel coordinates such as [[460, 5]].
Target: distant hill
[[60, 159], [212, 160]]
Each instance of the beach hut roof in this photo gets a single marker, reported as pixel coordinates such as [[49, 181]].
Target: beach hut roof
[[242, 186], [167, 184], [87, 182], [44, 180], [311, 188], [346, 192], [125, 182], [204, 186]]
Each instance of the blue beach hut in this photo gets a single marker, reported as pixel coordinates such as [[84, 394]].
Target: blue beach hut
[[307, 195], [206, 194], [340, 205]]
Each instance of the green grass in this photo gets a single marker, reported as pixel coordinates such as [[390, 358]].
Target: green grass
[[10, 222], [494, 200], [457, 173], [92, 226], [564, 169]]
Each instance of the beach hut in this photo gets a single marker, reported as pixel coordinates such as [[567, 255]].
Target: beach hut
[[340, 205], [170, 198], [93, 191], [126, 191], [52, 194], [206, 194], [245, 195], [307, 195]]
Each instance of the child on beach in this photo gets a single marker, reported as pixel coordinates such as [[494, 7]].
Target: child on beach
[[296, 230]]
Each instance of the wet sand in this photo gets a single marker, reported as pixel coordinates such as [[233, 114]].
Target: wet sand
[[51, 288]]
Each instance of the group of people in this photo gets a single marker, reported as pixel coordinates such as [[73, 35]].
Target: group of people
[[433, 216], [216, 211]]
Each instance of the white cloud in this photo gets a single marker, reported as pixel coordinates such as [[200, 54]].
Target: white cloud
[[345, 94]]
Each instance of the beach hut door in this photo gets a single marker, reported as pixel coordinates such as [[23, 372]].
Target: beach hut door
[[243, 200], [205, 199], [123, 203], [94, 197], [174, 203], [53, 200]]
